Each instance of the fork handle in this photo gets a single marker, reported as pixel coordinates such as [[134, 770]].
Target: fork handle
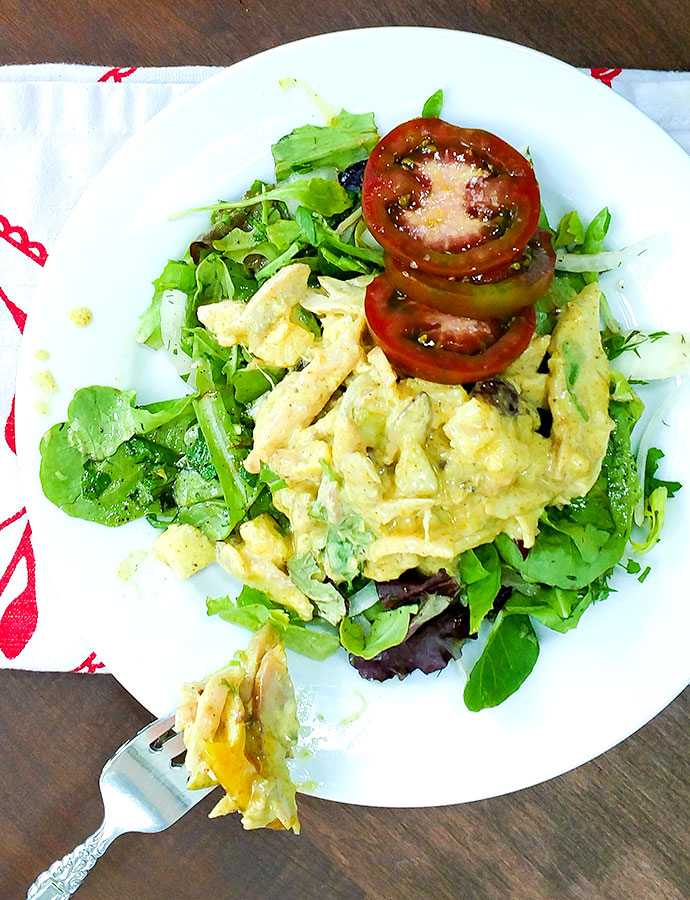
[[65, 875]]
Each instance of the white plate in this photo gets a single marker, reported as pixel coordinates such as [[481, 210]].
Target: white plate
[[414, 743]]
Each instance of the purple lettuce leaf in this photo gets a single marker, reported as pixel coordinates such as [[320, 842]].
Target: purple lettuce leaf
[[412, 585]]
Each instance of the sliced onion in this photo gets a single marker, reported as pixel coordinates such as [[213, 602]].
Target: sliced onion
[[651, 359], [173, 317], [600, 262]]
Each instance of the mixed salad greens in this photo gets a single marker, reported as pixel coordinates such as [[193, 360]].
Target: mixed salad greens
[[180, 461]]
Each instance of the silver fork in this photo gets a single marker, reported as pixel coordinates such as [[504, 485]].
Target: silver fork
[[144, 788]]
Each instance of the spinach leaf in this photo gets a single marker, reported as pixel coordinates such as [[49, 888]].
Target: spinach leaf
[[508, 657]]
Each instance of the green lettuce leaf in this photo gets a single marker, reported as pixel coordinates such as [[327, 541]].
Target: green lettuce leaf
[[347, 139], [388, 628], [253, 609]]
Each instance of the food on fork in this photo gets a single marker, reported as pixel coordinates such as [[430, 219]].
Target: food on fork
[[240, 727]]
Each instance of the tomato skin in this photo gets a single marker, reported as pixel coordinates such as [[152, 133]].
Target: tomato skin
[[500, 293], [397, 324], [510, 185]]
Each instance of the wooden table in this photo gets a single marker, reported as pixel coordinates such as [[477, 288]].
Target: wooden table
[[618, 827]]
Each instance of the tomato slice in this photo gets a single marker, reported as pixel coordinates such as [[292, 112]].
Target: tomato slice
[[447, 200], [425, 343], [500, 293]]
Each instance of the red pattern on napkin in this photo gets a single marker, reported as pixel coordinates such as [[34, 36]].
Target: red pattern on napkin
[[9, 431], [117, 74], [19, 619], [17, 314], [89, 665], [606, 76], [17, 236]]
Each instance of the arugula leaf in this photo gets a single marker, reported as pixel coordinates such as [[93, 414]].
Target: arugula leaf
[[480, 570], [572, 355], [508, 657], [321, 195], [348, 138], [305, 573], [433, 105], [306, 319], [555, 607], [651, 482]]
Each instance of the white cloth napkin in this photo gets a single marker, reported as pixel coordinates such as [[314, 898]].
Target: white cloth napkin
[[59, 124]]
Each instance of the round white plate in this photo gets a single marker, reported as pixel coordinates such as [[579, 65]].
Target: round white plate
[[404, 743]]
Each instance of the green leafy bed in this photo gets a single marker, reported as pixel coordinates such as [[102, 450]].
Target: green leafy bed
[[181, 460]]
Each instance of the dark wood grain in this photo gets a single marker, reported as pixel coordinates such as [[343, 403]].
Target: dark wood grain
[[640, 33], [615, 829]]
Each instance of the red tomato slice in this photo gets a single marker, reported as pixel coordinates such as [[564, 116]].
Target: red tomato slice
[[500, 293], [450, 201], [425, 343]]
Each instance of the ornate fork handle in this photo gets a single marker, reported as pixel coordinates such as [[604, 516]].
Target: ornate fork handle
[[65, 875]]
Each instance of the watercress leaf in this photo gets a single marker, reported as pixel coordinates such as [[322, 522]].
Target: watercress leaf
[[100, 419], [508, 657]]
